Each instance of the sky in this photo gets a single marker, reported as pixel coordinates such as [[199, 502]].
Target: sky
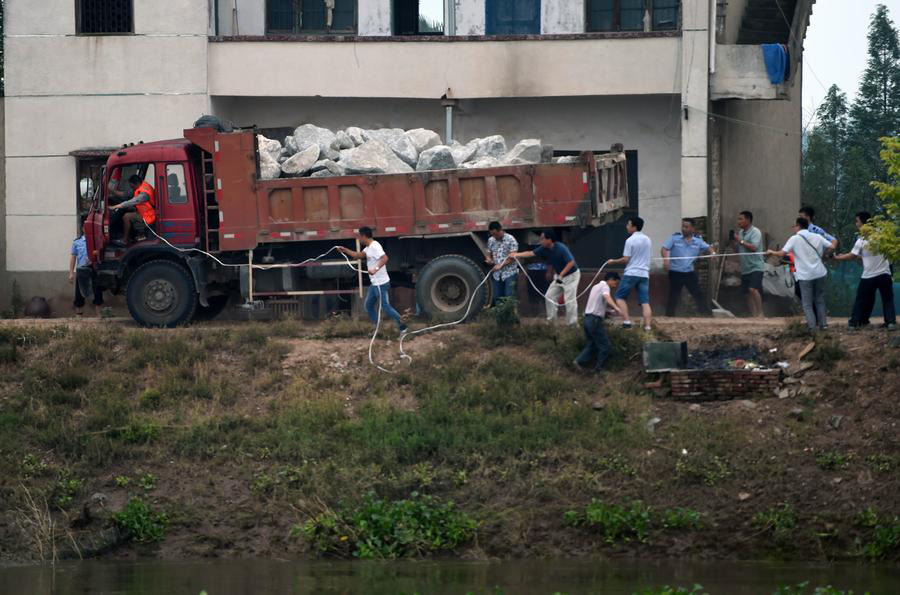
[[835, 47]]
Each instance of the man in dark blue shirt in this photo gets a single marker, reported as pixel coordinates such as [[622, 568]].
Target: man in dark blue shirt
[[566, 279]]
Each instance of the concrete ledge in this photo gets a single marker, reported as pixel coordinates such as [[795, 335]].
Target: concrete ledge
[[282, 37]]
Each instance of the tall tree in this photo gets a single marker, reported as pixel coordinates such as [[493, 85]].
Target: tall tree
[[876, 110], [884, 230], [824, 160]]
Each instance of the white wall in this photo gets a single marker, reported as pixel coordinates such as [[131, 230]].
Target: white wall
[[470, 17], [562, 16], [425, 69], [66, 92], [251, 17], [374, 17]]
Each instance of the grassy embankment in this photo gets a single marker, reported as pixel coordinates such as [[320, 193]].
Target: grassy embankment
[[214, 441]]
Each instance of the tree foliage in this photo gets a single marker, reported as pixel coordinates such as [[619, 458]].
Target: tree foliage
[[883, 231], [842, 156]]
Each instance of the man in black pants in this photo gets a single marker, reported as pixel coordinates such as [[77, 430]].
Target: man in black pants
[[876, 277], [679, 252]]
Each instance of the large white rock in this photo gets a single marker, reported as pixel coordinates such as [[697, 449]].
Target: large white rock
[[343, 140], [357, 135], [439, 157], [299, 164], [310, 134], [373, 157], [528, 150], [463, 153], [423, 139], [483, 162], [269, 169], [270, 147], [396, 139], [491, 146], [290, 146], [335, 169]]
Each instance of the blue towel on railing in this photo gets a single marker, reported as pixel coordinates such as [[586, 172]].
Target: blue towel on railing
[[775, 56]]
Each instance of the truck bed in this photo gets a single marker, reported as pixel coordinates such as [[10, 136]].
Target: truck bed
[[251, 212]]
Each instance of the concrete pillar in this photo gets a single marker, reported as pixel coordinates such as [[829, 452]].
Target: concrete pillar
[[695, 104]]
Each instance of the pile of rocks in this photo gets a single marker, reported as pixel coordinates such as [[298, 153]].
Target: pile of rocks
[[318, 152]]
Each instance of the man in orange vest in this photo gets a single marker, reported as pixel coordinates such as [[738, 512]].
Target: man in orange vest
[[144, 201]]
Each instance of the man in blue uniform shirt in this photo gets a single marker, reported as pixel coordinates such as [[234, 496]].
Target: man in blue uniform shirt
[[679, 252]]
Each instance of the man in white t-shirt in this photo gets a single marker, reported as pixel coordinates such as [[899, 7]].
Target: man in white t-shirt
[[636, 258], [876, 277], [808, 249], [376, 265], [599, 300]]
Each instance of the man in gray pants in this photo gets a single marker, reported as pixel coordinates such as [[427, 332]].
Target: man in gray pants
[[809, 250]]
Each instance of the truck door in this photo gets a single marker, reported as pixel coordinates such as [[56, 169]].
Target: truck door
[[176, 205]]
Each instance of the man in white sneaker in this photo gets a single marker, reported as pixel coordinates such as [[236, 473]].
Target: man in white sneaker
[[876, 277], [636, 258]]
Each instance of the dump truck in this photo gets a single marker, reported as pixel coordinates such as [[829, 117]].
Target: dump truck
[[222, 232]]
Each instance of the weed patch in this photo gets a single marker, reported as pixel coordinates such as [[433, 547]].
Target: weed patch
[[831, 461], [631, 521], [140, 522], [415, 527], [828, 351], [779, 522], [883, 534], [804, 589]]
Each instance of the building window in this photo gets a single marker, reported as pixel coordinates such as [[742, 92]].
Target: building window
[[176, 187], [311, 17], [628, 15], [104, 17], [665, 15], [418, 17], [91, 168], [512, 17]]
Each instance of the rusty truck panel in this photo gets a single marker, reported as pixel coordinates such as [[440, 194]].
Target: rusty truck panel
[[251, 211]]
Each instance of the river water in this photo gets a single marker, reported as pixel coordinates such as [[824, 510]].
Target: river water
[[519, 577]]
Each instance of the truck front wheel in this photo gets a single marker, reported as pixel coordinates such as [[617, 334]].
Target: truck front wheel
[[161, 293], [447, 284]]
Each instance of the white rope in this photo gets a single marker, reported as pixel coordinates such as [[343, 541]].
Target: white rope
[[593, 280], [403, 336]]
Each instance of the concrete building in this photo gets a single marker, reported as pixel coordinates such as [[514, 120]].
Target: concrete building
[[682, 84]]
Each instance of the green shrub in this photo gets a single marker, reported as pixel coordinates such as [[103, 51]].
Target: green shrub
[[140, 432], [633, 520], [616, 522], [831, 461], [680, 518], [884, 534], [780, 522], [415, 527], [505, 313], [65, 490], [141, 523]]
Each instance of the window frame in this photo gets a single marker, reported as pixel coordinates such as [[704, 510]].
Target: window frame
[[297, 30], [649, 5], [78, 24], [396, 32]]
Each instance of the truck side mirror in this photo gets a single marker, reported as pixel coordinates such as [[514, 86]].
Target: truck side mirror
[[86, 187]]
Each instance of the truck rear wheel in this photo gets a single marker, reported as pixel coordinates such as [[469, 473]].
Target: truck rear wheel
[[161, 293], [446, 285]]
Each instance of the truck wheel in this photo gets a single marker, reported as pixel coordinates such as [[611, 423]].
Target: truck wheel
[[161, 293], [446, 285], [217, 303]]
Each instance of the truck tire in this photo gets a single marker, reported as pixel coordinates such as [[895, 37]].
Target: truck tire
[[161, 293], [446, 285], [217, 303]]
